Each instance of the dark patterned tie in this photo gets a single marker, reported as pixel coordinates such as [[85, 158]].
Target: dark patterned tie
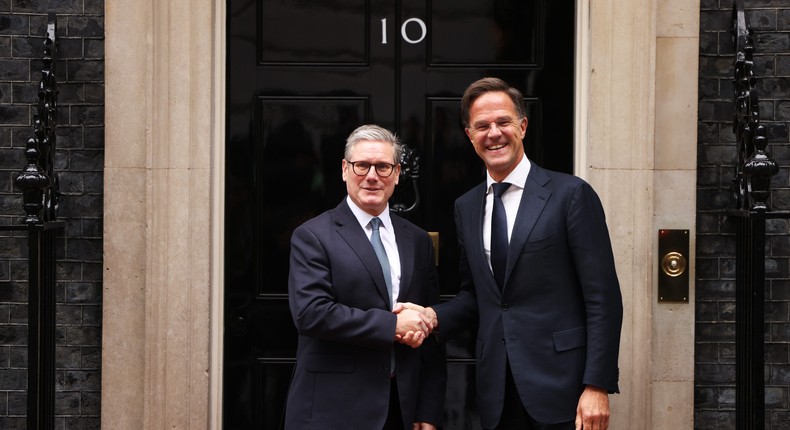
[[499, 234], [378, 246]]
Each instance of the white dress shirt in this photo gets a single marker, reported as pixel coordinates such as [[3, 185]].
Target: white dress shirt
[[511, 199], [387, 233]]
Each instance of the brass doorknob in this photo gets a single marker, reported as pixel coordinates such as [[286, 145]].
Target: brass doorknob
[[435, 239]]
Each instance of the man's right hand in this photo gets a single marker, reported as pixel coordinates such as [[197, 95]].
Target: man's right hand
[[412, 327], [428, 312]]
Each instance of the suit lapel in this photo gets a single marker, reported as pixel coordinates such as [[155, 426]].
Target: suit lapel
[[533, 201], [348, 228], [405, 243], [472, 214]]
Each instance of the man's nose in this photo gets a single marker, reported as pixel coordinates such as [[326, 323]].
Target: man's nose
[[493, 129]]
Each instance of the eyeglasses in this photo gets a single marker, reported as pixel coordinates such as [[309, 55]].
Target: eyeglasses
[[362, 168], [501, 123]]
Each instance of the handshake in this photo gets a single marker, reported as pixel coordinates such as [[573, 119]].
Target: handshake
[[415, 323]]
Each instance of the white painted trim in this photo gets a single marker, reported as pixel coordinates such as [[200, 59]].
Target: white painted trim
[[216, 340], [581, 88]]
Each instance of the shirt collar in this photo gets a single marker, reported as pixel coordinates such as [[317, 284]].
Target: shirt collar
[[518, 177], [364, 218]]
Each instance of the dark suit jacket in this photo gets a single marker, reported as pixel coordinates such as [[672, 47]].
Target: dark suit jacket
[[339, 304], [558, 318]]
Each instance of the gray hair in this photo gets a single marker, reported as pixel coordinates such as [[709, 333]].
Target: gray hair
[[374, 133]]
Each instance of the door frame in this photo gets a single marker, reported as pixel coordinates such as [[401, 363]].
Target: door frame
[[581, 94]]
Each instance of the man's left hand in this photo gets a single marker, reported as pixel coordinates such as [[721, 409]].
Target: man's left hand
[[423, 426], [592, 413]]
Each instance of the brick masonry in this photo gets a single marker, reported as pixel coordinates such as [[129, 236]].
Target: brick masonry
[[715, 284], [80, 155]]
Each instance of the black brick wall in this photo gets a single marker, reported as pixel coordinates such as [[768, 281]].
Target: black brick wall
[[80, 160], [715, 284]]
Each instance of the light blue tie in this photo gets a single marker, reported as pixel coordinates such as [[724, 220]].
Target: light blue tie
[[378, 247]]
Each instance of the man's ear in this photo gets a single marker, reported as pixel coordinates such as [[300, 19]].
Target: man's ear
[[397, 173], [345, 171]]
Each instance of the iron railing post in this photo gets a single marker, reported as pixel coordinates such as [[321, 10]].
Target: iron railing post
[[39, 184], [751, 184], [749, 319]]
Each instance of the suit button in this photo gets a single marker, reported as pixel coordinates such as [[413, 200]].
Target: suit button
[[503, 340], [504, 307]]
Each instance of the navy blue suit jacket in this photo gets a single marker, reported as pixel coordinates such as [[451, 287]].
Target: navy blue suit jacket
[[339, 304], [558, 318]]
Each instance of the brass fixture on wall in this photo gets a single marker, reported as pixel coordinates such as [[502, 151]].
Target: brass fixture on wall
[[673, 274]]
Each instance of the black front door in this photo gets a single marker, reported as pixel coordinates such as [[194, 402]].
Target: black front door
[[300, 76]]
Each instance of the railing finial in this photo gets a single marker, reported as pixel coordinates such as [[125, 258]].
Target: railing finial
[[38, 181], [755, 167]]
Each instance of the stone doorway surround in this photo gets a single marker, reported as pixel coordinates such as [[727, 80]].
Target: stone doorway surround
[[162, 323]]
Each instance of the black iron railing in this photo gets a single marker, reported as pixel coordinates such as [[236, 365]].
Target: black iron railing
[[39, 184], [751, 186]]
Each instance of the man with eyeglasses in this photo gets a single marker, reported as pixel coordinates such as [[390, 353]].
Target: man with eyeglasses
[[349, 267], [538, 280]]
